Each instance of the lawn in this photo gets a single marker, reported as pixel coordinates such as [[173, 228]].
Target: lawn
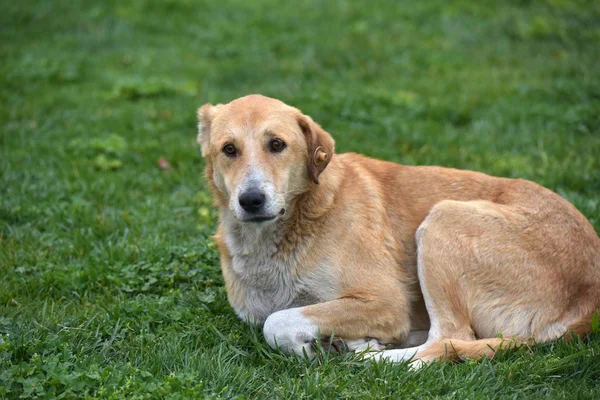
[[109, 281]]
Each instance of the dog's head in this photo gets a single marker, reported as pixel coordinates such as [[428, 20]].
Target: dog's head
[[260, 154]]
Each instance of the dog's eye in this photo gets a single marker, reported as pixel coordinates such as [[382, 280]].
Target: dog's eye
[[277, 145], [229, 150]]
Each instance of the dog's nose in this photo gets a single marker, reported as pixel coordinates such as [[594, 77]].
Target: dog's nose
[[252, 200]]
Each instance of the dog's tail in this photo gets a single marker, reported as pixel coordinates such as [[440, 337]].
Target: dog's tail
[[455, 350]]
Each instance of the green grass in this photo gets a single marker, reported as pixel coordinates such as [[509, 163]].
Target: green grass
[[109, 282]]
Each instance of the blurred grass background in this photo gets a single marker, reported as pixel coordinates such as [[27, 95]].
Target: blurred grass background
[[109, 283]]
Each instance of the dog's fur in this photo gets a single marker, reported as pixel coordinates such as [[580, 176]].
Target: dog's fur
[[368, 251]]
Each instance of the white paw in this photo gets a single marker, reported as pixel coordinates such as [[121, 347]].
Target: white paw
[[291, 332], [395, 355], [416, 364], [364, 345]]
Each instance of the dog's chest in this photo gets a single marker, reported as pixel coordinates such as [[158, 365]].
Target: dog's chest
[[267, 281], [267, 286]]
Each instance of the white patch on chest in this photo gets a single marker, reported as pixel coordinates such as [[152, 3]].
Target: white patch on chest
[[268, 278]]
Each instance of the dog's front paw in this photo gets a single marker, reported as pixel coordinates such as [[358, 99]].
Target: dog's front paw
[[291, 332], [364, 345]]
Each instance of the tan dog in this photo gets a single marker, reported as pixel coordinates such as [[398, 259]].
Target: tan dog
[[315, 244]]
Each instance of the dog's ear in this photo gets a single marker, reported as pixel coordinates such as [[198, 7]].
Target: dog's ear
[[320, 146], [206, 114]]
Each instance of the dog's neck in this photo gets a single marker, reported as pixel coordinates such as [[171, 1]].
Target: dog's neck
[[244, 238]]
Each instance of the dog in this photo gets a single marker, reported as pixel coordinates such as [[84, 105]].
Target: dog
[[397, 262]]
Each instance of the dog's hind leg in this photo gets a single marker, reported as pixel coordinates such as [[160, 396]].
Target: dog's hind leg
[[486, 269]]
